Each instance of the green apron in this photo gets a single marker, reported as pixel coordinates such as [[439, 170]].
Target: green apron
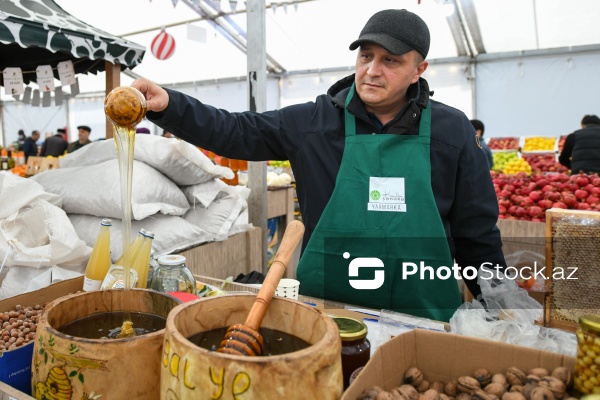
[[381, 218]]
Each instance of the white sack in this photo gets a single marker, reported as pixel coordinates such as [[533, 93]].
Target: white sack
[[96, 190], [21, 280], [171, 234], [220, 215], [182, 162], [205, 192], [17, 192]]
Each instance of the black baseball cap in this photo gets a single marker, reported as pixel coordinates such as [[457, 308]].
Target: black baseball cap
[[85, 128], [397, 31]]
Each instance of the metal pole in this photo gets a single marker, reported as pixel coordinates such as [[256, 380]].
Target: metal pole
[[257, 101]]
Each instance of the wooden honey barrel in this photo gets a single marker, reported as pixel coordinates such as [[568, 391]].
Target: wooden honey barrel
[[70, 367], [192, 372]]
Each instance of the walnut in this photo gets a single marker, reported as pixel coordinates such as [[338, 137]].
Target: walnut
[[370, 393], [451, 388], [500, 378], [513, 396], [423, 386], [438, 386], [479, 394], [467, 384], [430, 395], [515, 376], [533, 379], [516, 389], [396, 395], [483, 376], [556, 386], [413, 376], [528, 390], [539, 372], [542, 393], [444, 397], [564, 374], [408, 392], [497, 389], [384, 396], [463, 396]]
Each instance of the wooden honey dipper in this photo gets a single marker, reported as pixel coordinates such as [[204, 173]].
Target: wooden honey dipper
[[244, 339]]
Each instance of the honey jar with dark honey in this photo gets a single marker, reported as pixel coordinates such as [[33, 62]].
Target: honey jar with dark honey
[[356, 348]]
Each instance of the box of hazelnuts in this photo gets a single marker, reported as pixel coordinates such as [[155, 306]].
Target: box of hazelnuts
[[427, 365]]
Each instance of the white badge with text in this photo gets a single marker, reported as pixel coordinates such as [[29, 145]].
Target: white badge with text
[[386, 194]]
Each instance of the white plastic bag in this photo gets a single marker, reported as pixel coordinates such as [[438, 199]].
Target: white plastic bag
[[510, 317]]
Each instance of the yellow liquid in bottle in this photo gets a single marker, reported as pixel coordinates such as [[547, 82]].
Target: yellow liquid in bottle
[[99, 261], [134, 248], [142, 260]]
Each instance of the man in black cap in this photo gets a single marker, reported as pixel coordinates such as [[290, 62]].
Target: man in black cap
[[84, 138], [386, 177]]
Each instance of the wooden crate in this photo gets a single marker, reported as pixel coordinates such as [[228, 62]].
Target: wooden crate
[[522, 235], [574, 242], [240, 253]]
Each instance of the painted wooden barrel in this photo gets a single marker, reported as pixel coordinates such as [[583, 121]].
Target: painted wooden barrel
[[192, 372], [70, 367]]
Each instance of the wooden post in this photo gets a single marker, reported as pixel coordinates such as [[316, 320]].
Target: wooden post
[[113, 80]]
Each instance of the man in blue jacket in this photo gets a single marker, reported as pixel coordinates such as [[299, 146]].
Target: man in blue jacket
[[391, 184]]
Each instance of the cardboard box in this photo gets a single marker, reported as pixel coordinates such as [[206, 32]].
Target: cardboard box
[[446, 356], [15, 365]]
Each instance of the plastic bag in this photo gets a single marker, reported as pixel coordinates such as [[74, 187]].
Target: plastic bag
[[509, 316]]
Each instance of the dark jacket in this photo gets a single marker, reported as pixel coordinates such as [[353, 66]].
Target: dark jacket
[[581, 150], [29, 148], [54, 146], [311, 136], [76, 145]]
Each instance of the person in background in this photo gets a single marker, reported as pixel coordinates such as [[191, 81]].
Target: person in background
[[55, 145], [581, 150], [383, 172], [30, 147], [84, 139], [21, 140], [479, 128], [64, 133], [142, 130]]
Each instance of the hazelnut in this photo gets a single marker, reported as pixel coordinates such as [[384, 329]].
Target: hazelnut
[[564, 374], [515, 376], [463, 396], [467, 384], [541, 393], [413, 376], [539, 372], [556, 386], [438, 386], [451, 388], [483, 376], [513, 396], [408, 392], [423, 386], [430, 395], [497, 389], [500, 378]]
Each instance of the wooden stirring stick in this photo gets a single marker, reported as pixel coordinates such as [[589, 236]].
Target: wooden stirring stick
[[244, 339]]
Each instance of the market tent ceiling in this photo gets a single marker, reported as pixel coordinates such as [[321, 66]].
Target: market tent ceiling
[[34, 33], [313, 35]]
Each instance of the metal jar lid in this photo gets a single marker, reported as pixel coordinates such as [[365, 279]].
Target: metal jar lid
[[171, 259], [590, 322], [350, 328]]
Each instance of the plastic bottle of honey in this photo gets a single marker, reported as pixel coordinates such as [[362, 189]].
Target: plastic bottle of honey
[[99, 261], [141, 262]]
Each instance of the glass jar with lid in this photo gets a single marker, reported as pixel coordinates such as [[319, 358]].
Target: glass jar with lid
[[587, 367], [172, 275], [356, 348]]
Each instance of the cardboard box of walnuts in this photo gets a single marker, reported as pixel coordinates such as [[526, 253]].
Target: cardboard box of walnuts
[[446, 356]]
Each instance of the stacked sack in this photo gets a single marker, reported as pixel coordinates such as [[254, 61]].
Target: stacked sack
[[176, 193]]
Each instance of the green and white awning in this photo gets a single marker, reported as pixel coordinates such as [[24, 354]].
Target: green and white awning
[[39, 32]]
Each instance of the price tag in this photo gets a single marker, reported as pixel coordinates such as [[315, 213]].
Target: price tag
[[13, 81], [66, 73], [45, 78]]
